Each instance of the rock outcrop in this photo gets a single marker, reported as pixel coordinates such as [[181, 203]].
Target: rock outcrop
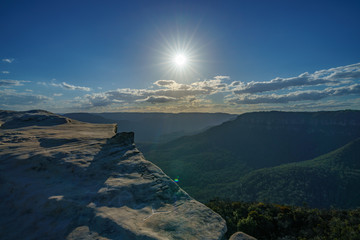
[[241, 236], [64, 179]]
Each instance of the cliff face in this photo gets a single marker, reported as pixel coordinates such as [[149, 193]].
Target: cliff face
[[61, 178]]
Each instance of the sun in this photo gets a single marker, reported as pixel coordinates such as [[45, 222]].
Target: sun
[[180, 60], [179, 55]]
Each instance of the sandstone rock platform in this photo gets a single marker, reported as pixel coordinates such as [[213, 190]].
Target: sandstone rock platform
[[64, 179]]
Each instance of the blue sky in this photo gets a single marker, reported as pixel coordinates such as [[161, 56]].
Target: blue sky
[[96, 56]]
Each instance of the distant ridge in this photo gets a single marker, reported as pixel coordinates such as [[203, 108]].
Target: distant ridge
[[88, 117], [211, 164], [156, 127]]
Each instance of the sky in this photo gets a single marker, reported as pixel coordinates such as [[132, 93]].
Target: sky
[[179, 56]]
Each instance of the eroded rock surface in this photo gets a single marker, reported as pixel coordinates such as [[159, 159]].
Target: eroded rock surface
[[64, 179], [241, 236]]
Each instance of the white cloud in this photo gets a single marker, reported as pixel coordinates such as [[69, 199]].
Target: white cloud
[[11, 83], [160, 99], [168, 91], [217, 93], [304, 79], [73, 87], [126, 94], [236, 83], [165, 82], [95, 100], [70, 87], [297, 96], [343, 72], [8, 60], [10, 97], [221, 77], [5, 72], [42, 83], [323, 77], [346, 75]]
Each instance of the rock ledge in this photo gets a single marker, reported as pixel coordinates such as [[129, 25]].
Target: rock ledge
[[64, 179]]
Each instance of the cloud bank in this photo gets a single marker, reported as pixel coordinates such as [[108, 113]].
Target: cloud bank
[[168, 91], [313, 95], [322, 77], [340, 81], [10, 97], [304, 79], [338, 87], [256, 92]]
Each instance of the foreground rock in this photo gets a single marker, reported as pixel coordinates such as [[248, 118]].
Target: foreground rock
[[64, 179], [241, 236]]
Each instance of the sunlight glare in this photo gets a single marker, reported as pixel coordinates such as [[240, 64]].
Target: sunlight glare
[[180, 60]]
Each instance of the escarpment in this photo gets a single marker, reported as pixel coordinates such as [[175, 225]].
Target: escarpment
[[64, 179]]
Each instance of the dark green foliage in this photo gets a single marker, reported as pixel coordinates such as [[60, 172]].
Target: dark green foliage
[[272, 222], [329, 180]]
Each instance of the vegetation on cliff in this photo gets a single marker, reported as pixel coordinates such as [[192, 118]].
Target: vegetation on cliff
[[279, 222], [332, 179]]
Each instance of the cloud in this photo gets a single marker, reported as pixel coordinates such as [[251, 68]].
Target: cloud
[[5, 72], [212, 86], [160, 99], [10, 97], [235, 83], [69, 86], [10, 83], [42, 83], [221, 93], [344, 72], [297, 96], [169, 91], [96, 100], [323, 77], [180, 93], [57, 94], [221, 77], [164, 82], [73, 87], [346, 75], [304, 79], [127, 94], [8, 60]]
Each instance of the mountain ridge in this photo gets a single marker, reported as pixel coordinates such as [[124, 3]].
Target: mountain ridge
[[251, 141], [155, 127]]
